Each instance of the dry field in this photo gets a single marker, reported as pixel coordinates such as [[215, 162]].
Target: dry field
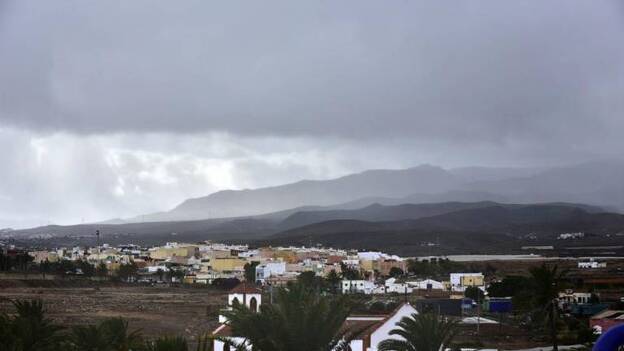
[[155, 310]]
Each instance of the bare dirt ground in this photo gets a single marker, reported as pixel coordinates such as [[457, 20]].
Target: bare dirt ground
[[157, 311]]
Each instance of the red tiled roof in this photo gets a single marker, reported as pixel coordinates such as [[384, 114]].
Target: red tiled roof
[[360, 329], [223, 330], [363, 328], [609, 314], [245, 288]]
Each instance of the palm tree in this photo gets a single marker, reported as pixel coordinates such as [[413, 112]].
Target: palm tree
[[101, 270], [300, 319], [88, 338], [179, 343], [168, 343], [160, 274], [30, 330], [547, 282], [420, 332], [8, 339], [204, 343], [110, 335], [116, 332], [333, 279]]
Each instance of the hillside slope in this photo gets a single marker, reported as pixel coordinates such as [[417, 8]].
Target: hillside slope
[[542, 219], [379, 213]]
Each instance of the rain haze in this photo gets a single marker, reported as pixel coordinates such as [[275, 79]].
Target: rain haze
[[120, 108]]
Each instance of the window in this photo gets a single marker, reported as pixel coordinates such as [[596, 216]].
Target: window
[[253, 304]]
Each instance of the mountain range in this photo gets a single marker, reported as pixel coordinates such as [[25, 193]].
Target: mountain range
[[456, 227], [597, 183], [413, 203]]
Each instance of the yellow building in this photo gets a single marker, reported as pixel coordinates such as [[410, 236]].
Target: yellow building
[[227, 264], [384, 266], [472, 280], [113, 266], [42, 256], [162, 253], [218, 254], [368, 265], [288, 256]]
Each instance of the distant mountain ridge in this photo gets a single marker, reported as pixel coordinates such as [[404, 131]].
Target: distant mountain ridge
[[388, 183], [407, 229], [597, 183], [457, 216], [378, 208]]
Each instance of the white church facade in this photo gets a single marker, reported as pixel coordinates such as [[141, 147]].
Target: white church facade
[[370, 329]]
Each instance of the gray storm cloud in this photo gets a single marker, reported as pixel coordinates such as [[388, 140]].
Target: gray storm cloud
[[126, 107], [490, 70]]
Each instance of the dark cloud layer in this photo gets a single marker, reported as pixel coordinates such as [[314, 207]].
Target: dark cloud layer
[[124, 107], [489, 70]]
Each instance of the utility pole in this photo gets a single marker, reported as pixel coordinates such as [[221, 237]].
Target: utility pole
[[405, 293], [97, 235], [478, 311], [553, 323]]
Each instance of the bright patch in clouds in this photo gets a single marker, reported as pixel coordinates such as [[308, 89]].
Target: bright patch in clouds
[[66, 178]]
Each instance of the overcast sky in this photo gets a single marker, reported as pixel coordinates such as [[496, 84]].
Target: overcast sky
[[118, 108]]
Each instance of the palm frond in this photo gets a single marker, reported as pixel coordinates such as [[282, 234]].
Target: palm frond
[[421, 332], [300, 319]]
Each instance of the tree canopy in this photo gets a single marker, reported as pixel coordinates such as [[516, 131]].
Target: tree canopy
[[286, 325], [421, 332]]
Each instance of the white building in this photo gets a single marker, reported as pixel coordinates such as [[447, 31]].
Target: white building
[[427, 284], [392, 286], [245, 294], [357, 286], [374, 329], [570, 297], [375, 256], [591, 264], [249, 254], [269, 269], [154, 269], [566, 236], [352, 263], [369, 330]]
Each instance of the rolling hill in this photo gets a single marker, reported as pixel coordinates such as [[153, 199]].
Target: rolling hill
[[513, 219], [379, 213], [489, 229]]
